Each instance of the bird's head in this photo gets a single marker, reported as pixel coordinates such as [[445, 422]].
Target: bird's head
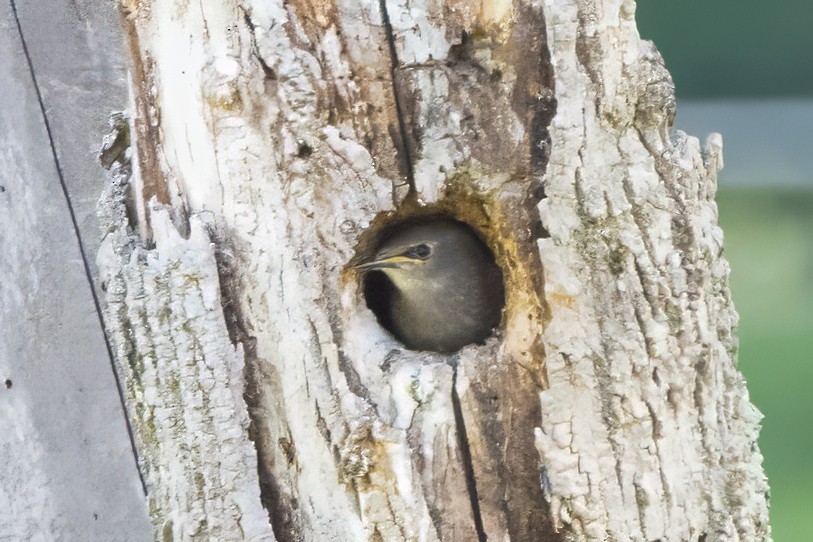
[[449, 288], [408, 256], [432, 251]]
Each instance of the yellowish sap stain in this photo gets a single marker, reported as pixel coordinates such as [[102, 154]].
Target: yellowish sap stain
[[494, 11], [561, 300]]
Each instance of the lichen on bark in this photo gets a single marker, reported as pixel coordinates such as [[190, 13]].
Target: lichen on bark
[[294, 132], [647, 423]]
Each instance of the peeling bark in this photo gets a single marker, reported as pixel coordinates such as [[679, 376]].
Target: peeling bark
[[282, 137], [647, 431], [184, 377]]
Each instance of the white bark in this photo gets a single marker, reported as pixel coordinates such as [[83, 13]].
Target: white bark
[[184, 380], [645, 398], [283, 131]]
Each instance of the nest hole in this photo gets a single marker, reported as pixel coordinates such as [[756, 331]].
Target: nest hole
[[432, 282]]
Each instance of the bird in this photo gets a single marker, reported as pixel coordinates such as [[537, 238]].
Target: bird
[[446, 288]]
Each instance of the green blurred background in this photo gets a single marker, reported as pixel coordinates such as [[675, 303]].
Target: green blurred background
[[744, 68]]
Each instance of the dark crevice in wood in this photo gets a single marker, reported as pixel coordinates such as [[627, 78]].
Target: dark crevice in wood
[[79, 242], [282, 508], [269, 72], [460, 52], [402, 144], [146, 122], [468, 465]]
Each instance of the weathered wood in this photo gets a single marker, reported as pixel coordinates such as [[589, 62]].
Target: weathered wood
[[294, 131], [77, 51], [67, 471], [184, 379], [647, 431]]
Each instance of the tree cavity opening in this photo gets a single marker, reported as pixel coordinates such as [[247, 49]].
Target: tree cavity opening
[[432, 282]]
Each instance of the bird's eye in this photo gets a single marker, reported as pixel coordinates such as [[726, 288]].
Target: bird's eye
[[421, 251]]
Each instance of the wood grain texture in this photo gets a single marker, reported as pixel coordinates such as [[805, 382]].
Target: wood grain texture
[[295, 131], [66, 464], [647, 430], [184, 380]]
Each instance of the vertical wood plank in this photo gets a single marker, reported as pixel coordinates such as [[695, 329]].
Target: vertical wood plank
[[65, 458]]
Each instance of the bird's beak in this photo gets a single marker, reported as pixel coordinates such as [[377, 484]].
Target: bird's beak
[[390, 262]]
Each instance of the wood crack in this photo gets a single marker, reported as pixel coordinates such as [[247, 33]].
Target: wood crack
[[403, 144], [468, 466]]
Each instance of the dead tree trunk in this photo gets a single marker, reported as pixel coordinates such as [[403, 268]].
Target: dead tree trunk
[[271, 141]]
